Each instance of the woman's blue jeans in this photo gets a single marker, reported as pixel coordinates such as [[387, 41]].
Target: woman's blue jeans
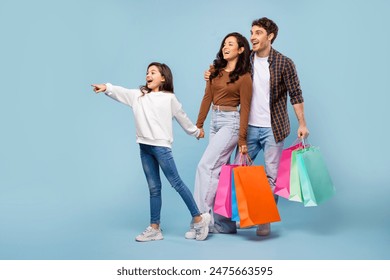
[[224, 130], [154, 157]]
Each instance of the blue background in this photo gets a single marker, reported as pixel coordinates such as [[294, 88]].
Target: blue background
[[71, 182]]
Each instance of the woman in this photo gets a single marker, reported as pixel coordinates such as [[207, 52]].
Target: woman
[[229, 93]]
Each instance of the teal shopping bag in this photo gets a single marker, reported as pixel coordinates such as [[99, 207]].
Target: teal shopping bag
[[295, 185], [316, 183], [305, 184], [235, 216]]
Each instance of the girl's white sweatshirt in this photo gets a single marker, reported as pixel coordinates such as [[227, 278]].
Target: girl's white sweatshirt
[[153, 114]]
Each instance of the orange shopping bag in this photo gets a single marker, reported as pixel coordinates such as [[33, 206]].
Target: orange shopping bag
[[256, 203]]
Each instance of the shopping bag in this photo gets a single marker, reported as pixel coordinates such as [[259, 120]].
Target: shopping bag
[[223, 197], [305, 184], [235, 215], [282, 187], [295, 185], [316, 183], [241, 160], [255, 200]]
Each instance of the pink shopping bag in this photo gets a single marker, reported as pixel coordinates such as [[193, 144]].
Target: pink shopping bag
[[223, 198], [282, 187]]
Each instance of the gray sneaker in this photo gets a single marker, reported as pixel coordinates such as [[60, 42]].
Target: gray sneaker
[[263, 230], [202, 228], [150, 234], [191, 234]]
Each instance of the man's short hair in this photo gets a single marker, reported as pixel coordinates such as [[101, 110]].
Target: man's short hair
[[268, 25]]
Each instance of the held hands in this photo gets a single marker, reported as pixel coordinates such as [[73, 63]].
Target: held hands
[[99, 88], [201, 134]]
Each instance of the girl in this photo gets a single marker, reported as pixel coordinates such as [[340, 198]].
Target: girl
[[229, 86], [154, 106]]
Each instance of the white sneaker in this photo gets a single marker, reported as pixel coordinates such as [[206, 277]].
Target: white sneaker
[[202, 228], [263, 230], [150, 234], [191, 234]]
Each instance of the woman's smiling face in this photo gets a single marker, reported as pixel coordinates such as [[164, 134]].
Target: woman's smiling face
[[230, 49]]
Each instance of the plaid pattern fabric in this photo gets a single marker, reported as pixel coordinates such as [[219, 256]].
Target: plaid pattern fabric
[[284, 78]]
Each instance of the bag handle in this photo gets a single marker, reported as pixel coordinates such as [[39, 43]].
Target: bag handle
[[297, 141], [245, 159], [305, 143]]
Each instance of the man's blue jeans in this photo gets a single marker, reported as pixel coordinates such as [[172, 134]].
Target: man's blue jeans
[[262, 138], [152, 158]]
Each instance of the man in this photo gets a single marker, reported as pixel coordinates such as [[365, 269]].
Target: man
[[273, 75]]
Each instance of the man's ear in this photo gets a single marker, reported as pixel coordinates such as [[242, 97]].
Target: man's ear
[[271, 36]]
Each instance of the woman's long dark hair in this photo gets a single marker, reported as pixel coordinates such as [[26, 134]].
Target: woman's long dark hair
[[166, 72], [243, 65]]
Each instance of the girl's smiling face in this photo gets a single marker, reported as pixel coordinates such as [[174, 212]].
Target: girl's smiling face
[[154, 78]]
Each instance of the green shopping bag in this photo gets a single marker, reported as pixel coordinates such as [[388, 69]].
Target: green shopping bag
[[315, 181], [304, 180], [295, 185]]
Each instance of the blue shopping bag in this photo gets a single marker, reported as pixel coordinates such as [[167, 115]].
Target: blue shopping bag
[[235, 216]]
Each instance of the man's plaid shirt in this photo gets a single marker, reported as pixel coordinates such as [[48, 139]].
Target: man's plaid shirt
[[284, 78]]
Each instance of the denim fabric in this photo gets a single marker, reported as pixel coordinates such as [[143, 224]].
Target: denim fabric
[[152, 158], [224, 225], [262, 138], [223, 138]]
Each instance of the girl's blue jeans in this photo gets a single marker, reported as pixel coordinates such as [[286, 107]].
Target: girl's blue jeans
[[152, 158]]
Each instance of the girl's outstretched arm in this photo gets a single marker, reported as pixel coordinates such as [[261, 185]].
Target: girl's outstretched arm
[[99, 88], [120, 94]]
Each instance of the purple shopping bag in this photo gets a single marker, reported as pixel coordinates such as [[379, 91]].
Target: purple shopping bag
[[223, 203], [282, 187]]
